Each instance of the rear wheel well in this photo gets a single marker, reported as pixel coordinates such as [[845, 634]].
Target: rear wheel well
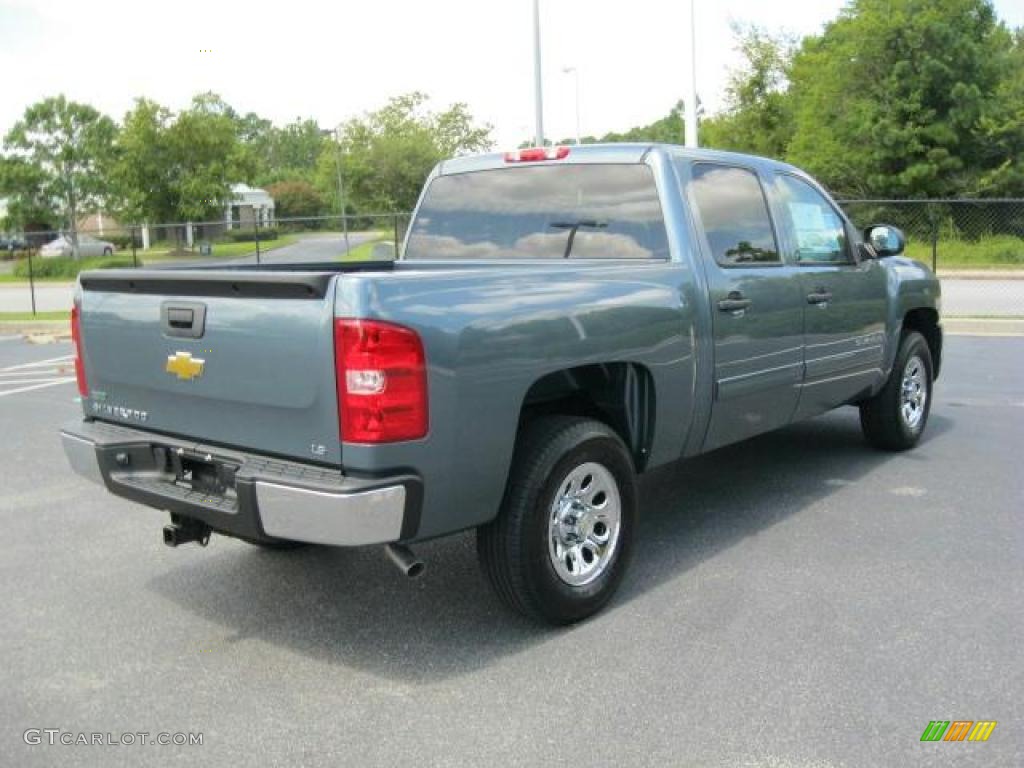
[[619, 394], [925, 321]]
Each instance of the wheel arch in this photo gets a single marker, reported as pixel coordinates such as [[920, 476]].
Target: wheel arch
[[925, 320], [619, 394]]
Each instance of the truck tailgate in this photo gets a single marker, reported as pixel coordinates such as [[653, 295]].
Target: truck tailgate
[[242, 359]]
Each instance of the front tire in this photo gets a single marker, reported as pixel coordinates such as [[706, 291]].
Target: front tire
[[895, 418], [561, 542], [108, 252]]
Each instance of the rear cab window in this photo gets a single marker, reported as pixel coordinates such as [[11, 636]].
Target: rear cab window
[[595, 211]]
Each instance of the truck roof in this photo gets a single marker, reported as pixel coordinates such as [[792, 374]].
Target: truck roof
[[612, 153]]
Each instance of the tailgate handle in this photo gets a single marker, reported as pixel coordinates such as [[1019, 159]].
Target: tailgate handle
[[180, 318], [184, 319]]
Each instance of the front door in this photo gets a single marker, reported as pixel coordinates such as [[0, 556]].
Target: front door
[[757, 303], [845, 298]]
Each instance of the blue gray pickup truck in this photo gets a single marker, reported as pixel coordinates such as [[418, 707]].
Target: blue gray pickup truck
[[558, 321]]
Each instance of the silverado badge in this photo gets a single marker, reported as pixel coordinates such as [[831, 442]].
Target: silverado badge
[[184, 366]]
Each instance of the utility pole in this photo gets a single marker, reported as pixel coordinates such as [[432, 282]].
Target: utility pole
[[538, 95], [690, 99]]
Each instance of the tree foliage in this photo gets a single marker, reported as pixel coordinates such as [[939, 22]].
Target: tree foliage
[[178, 167], [295, 198], [387, 154], [758, 116], [56, 159], [893, 96]]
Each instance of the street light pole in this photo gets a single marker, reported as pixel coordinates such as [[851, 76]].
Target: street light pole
[[690, 99], [341, 184], [538, 96], [576, 74], [341, 191]]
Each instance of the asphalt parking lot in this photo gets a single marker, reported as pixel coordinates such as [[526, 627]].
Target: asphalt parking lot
[[797, 600]]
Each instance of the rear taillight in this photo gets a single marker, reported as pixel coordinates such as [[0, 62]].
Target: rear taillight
[[76, 339], [382, 382], [536, 154]]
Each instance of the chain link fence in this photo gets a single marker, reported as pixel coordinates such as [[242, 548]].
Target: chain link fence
[[37, 269], [976, 246], [952, 235]]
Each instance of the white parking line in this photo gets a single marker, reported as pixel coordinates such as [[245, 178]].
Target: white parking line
[[53, 383], [38, 363], [17, 382], [48, 371], [39, 374]]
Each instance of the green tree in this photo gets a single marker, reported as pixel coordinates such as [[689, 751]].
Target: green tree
[[295, 198], [208, 158], [758, 114], [387, 154], [29, 206], [1002, 129], [892, 97], [669, 129], [143, 172], [179, 167], [58, 155]]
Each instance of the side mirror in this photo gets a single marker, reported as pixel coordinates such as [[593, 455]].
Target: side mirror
[[885, 239]]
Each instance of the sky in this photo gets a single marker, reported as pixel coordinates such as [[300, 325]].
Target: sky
[[334, 60]]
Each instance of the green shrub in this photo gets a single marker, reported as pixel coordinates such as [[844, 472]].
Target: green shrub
[[247, 235], [69, 268]]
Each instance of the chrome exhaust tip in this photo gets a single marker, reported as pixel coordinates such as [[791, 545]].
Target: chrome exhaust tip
[[405, 560]]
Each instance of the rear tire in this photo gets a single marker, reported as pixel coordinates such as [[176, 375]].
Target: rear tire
[[561, 542], [895, 418], [108, 252]]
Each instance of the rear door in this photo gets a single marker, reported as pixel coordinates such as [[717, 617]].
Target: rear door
[[756, 301], [845, 298], [243, 359]]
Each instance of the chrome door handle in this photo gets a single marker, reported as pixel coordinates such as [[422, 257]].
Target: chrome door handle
[[819, 296], [733, 302]]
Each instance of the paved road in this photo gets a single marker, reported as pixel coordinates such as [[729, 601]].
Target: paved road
[[798, 600], [311, 248], [54, 297], [983, 297]]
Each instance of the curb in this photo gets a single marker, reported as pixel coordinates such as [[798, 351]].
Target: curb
[[58, 329]]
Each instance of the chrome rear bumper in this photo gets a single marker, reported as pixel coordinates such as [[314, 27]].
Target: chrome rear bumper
[[267, 498]]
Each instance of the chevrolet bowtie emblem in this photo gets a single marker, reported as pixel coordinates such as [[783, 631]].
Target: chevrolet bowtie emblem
[[184, 366]]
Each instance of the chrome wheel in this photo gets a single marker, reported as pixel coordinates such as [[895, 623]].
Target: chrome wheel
[[914, 392], [584, 524]]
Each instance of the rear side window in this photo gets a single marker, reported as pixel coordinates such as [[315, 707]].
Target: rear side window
[[541, 212], [734, 215]]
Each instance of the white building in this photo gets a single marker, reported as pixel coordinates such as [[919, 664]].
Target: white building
[[249, 205]]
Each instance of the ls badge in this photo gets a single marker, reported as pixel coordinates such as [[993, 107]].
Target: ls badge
[[184, 366]]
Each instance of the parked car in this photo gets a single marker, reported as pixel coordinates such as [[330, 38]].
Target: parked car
[[12, 243], [88, 247], [560, 321]]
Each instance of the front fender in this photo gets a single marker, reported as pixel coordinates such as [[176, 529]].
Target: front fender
[[911, 286]]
